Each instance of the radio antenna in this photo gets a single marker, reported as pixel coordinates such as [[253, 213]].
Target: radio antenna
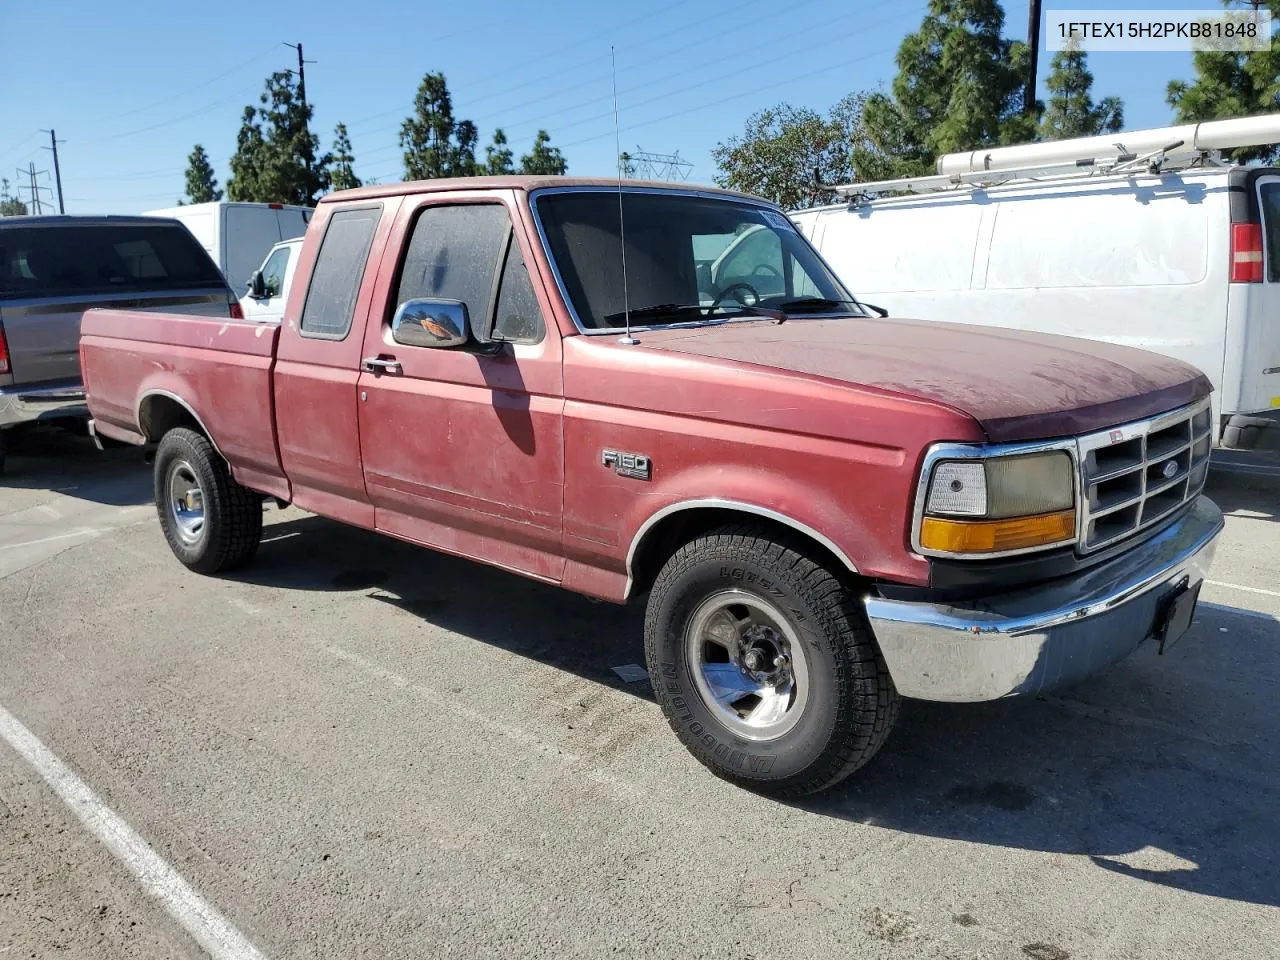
[[622, 230]]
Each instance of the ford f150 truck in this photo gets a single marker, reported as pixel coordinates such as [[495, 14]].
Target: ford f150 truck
[[824, 510]]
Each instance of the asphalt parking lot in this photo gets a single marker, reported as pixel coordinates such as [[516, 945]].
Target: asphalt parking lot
[[358, 749]]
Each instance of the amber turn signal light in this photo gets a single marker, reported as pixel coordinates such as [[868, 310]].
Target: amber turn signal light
[[997, 536]]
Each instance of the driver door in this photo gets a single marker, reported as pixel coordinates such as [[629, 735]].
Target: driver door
[[463, 446]]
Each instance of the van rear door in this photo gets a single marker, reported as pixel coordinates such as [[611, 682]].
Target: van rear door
[[1261, 388], [52, 271]]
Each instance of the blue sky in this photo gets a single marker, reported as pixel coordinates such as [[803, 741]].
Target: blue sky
[[132, 86]]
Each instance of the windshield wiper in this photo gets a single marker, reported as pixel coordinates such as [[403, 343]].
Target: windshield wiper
[[816, 304], [704, 312]]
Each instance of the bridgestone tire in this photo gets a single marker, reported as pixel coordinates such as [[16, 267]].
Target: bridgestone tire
[[232, 522], [851, 704]]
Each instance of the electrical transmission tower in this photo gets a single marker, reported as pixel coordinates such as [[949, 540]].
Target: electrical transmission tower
[[33, 187], [643, 165]]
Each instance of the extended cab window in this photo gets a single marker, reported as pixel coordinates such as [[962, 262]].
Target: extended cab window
[[335, 279], [455, 253]]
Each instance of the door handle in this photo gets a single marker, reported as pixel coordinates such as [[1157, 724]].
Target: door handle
[[381, 365]]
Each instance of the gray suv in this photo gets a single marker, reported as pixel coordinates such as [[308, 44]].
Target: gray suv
[[52, 269]]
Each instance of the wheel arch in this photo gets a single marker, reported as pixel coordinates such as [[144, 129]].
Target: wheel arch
[[160, 411], [676, 524]]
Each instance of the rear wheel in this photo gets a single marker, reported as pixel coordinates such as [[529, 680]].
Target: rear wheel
[[211, 522], [764, 665]]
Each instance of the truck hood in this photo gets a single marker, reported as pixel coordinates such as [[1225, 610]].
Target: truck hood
[[1017, 384]]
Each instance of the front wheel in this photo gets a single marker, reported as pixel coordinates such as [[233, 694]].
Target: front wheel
[[211, 522], [764, 665]]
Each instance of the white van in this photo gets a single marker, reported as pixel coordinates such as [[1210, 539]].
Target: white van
[[238, 235], [269, 284], [1183, 261]]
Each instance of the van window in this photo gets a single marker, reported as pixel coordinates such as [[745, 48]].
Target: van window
[[335, 279], [1107, 236], [74, 259], [273, 272], [1269, 200]]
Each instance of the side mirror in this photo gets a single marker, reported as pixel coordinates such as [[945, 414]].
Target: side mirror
[[431, 323], [257, 286], [878, 311]]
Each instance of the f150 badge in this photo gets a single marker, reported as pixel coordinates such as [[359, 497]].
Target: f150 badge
[[634, 465]]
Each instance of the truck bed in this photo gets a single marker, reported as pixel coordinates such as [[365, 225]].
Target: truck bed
[[137, 364]]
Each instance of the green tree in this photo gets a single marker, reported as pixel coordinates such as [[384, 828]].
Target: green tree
[[342, 174], [1233, 83], [543, 159], [434, 143], [783, 147], [958, 87], [498, 158], [10, 206], [1070, 110], [202, 186], [277, 157]]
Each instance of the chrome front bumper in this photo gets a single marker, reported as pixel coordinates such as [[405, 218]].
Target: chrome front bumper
[[25, 404], [1045, 636]]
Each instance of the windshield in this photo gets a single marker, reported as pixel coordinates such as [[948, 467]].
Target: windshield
[[688, 258]]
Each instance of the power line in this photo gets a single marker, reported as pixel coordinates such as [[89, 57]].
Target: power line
[[719, 78], [20, 144], [178, 96], [737, 96], [701, 68], [665, 55], [546, 56], [166, 123]]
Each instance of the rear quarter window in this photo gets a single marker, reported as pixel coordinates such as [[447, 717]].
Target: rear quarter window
[[335, 279], [74, 259]]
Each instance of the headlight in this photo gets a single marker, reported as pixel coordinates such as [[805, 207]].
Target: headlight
[[999, 504]]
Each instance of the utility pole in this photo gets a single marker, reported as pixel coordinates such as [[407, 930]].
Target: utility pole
[[1033, 41], [302, 76], [57, 170]]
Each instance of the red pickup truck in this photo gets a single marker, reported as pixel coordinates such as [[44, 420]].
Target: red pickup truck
[[662, 394]]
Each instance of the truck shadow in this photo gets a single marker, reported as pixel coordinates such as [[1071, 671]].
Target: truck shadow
[[51, 459], [1242, 494], [1163, 770]]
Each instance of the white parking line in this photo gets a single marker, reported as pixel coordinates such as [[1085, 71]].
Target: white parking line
[[83, 532], [1237, 586], [197, 916]]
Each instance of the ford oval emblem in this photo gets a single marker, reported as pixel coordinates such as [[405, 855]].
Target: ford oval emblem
[[1170, 469]]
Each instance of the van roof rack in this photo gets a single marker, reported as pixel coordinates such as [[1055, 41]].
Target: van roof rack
[[1156, 149]]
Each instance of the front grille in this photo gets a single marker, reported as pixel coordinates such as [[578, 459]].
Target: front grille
[[1136, 475]]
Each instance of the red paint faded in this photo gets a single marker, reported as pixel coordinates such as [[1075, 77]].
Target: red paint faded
[[1019, 385], [497, 456]]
